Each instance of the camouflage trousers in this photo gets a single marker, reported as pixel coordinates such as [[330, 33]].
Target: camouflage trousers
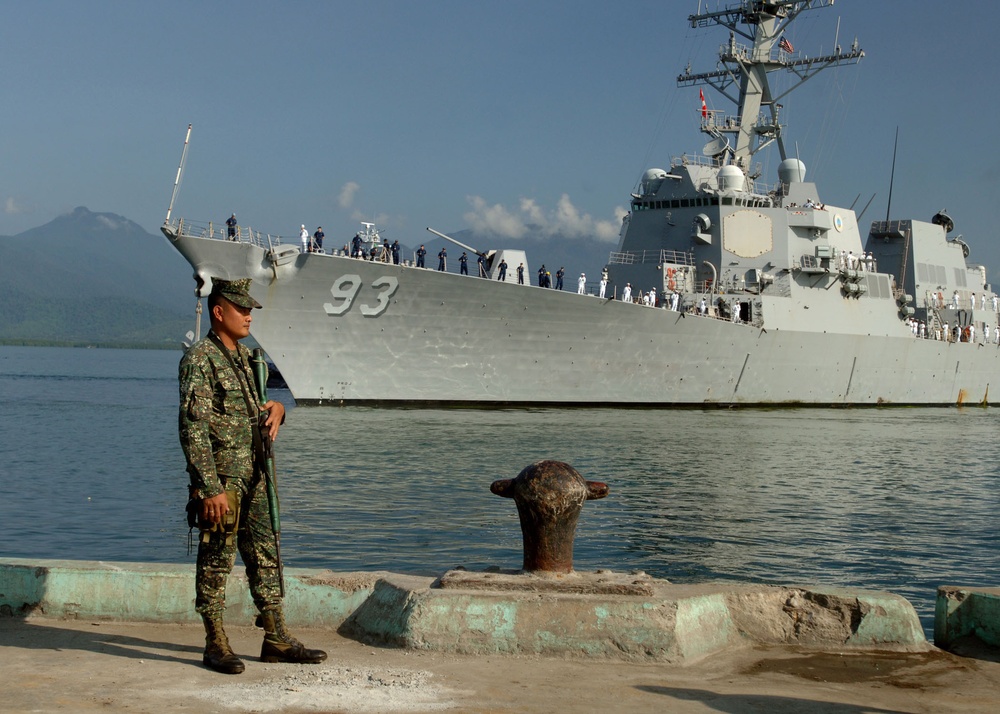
[[255, 542]]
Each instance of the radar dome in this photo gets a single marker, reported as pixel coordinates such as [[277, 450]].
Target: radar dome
[[731, 177], [651, 181], [791, 171]]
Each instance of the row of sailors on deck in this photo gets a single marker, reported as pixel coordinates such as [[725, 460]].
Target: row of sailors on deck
[[937, 299], [955, 333], [673, 302], [849, 261]]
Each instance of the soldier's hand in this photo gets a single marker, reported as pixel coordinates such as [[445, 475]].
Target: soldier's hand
[[213, 509], [275, 417]]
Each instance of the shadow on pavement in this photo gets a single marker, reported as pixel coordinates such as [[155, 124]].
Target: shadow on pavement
[[92, 638], [741, 703]]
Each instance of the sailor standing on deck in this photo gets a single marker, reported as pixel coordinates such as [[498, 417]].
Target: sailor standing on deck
[[502, 271], [520, 274], [442, 259], [421, 252], [604, 284], [627, 293], [559, 278], [463, 264], [581, 284], [304, 237], [231, 226]]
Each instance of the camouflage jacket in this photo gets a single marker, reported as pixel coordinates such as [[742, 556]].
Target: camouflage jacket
[[213, 422]]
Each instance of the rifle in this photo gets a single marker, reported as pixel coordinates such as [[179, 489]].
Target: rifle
[[270, 478]]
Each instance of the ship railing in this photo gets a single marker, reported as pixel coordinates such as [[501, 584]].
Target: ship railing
[[713, 119], [692, 160], [214, 231], [761, 194], [897, 229], [657, 257]]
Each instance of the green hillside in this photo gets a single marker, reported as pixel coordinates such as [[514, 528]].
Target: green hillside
[[93, 278]]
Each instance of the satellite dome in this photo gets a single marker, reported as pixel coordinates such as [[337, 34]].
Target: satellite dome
[[651, 181], [791, 171], [731, 177]]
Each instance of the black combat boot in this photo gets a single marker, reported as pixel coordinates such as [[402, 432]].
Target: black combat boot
[[218, 654], [279, 646]]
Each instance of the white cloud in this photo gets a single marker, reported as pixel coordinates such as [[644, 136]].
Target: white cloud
[[347, 191], [494, 219], [566, 219], [109, 222], [13, 207]]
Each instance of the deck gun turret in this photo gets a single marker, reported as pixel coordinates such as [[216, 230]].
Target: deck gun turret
[[487, 257]]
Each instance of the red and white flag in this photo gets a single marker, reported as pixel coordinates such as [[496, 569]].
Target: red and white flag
[[704, 107], [785, 45]]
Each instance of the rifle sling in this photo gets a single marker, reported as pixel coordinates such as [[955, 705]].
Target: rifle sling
[[258, 441]]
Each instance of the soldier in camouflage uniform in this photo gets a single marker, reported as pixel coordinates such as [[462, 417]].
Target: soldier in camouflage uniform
[[215, 421]]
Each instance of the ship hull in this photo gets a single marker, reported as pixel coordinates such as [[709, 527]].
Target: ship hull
[[346, 331]]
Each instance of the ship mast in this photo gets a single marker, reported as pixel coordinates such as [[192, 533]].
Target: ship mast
[[756, 124]]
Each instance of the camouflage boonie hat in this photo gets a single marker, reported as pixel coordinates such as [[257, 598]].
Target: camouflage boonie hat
[[235, 291]]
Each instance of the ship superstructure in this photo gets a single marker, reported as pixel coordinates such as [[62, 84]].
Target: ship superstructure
[[724, 289]]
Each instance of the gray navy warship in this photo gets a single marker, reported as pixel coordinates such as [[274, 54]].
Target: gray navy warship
[[724, 290]]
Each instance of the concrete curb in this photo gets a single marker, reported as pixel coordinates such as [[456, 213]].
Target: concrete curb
[[675, 623], [159, 592], [960, 612]]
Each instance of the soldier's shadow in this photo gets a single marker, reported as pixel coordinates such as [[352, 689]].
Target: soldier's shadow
[[93, 637]]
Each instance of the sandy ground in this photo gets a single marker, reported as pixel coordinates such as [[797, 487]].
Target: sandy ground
[[81, 666]]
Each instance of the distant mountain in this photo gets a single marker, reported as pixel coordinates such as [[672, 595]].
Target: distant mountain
[[93, 278], [98, 278]]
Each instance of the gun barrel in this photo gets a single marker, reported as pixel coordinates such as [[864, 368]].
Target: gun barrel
[[259, 366], [456, 242]]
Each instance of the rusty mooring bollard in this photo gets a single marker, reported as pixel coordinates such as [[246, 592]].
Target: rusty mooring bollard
[[549, 496]]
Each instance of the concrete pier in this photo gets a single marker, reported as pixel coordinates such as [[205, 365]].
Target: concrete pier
[[88, 635], [963, 613], [606, 615]]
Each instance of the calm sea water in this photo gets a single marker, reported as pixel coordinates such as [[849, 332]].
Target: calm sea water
[[896, 499]]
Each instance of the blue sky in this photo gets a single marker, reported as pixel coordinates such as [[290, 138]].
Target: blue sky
[[458, 114]]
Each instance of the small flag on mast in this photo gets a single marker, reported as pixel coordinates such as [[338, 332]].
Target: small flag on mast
[[785, 45], [704, 107]]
